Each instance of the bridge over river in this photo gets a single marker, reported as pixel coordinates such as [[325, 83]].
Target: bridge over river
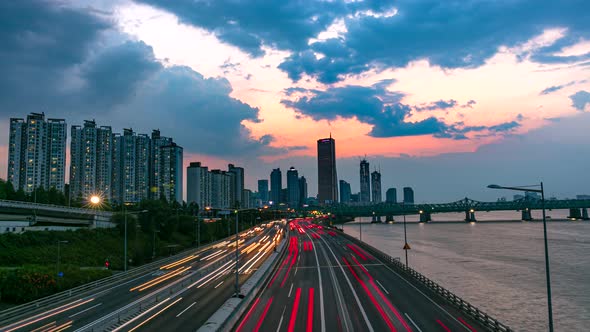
[[578, 208]]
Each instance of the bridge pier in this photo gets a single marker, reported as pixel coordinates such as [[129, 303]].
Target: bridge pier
[[425, 216], [526, 215], [470, 216], [576, 214], [376, 219], [585, 214], [389, 218]]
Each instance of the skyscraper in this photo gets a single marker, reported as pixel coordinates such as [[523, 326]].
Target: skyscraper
[[171, 172], [157, 141], [198, 185], [302, 190], [345, 192], [237, 185], [142, 173], [293, 196], [408, 195], [220, 189], [376, 186], [391, 195], [36, 153], [263, 191], [91, 157], [365, 194], [327, 177], [276, 184]]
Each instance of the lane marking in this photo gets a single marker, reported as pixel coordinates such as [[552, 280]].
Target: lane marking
[[385, 290], [290, 289], [310, 311], [281, 320], [412, 321], [219, 284], [83, 311], [261, 319], [182, 312], [294, 310]]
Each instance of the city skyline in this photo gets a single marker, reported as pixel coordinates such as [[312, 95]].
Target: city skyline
[[493, 106]]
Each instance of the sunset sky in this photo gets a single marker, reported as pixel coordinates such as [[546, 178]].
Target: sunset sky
[[443, 96]]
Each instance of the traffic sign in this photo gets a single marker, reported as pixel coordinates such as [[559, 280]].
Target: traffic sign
[[407, 247]]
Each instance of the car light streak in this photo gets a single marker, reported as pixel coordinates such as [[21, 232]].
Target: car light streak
[[160, 279], [465, 323], [141, 315], [61, 327], [208, 275], [310, 311], [261, 319], [443, 325], [43, 316], [248, 315], [174, 264], [294, 310], [211, 256], [156, 314], [48, 325]]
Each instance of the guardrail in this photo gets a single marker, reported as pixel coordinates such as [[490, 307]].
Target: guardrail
[[8, 315], [460, 304]]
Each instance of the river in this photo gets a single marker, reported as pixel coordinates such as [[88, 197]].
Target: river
[[499, 266]]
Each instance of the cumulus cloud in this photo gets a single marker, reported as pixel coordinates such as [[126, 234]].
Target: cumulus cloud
[[380, 108], [580, 99], [47, 67]]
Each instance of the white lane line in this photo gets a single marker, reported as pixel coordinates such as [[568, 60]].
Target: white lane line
[[76, 314], [281, 320], [290, 289], [182, 312], [382, 287], [219, 284], [412, 321], [296, 269]]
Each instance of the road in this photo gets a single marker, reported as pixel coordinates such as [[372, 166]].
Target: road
[[328, 283], [189, 291]]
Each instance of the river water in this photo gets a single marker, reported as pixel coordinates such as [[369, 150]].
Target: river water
[[499, 266]]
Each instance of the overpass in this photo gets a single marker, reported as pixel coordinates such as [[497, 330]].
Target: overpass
[[578, 208]]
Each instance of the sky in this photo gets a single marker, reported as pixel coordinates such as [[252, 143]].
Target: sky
[[443, 96]]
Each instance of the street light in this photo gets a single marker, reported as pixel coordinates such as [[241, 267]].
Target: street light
[[547, 273], [59, 254], [406, 245], [125, 213], [237, 285], [95, 200]]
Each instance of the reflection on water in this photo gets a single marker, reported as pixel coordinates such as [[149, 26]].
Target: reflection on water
[[499, 267]]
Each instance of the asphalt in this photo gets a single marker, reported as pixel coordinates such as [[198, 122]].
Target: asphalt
[[199, 282], [328, 283]]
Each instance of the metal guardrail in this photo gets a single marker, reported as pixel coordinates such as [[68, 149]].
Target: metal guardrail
[[30, 307], [53, 207], [460, 304]]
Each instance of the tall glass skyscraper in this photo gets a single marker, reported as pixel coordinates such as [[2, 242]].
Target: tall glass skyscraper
[[293, 187], [327, 177], [276, 185], [376, 186], [365, 196]]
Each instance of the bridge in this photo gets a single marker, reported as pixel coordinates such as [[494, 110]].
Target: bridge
[[578, 208]]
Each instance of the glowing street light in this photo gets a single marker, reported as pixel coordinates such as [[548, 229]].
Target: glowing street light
[[95, 200]]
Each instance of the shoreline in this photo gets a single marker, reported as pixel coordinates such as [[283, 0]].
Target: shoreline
[[465, 222]]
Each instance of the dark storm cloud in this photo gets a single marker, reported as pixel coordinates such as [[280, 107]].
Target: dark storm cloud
[[380, 108], [448, 34], [55, 59], [580, 99]]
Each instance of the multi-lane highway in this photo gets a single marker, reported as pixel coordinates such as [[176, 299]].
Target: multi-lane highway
[[328, 283], [179, 296]]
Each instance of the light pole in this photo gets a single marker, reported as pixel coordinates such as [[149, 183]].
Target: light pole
[[547, 273], [237, 257], [125, 213], [59, 253], [406, 245]]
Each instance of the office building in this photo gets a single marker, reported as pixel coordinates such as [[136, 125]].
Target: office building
[[408, 195], [37, 152], [327, 177], [247, 199], [276, 184], [171, 172], [376, 187], [391, 195], [345, 192], [365, 194], [293, 197], [198, 185], [302, 190], [237, 186], [91, 157], [220, 189], [263, 191]]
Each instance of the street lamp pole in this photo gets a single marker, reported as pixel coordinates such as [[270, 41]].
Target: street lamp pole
[[237, 257], [547, 272], [405, 233]]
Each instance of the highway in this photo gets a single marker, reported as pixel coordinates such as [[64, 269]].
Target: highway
[[188, 291], [328, 283]]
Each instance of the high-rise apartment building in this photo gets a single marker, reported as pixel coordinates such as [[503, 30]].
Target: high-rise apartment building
[[91, 159], [220, 189], [276, 184], [198, 185], [237, 186], [36, 152], [263, 191], [293, 197], [376, 187], [365, 194], [408, 195], [154, 167], [391, 195], [171, 172], [302, 190], [327, 177], [345, 192]]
